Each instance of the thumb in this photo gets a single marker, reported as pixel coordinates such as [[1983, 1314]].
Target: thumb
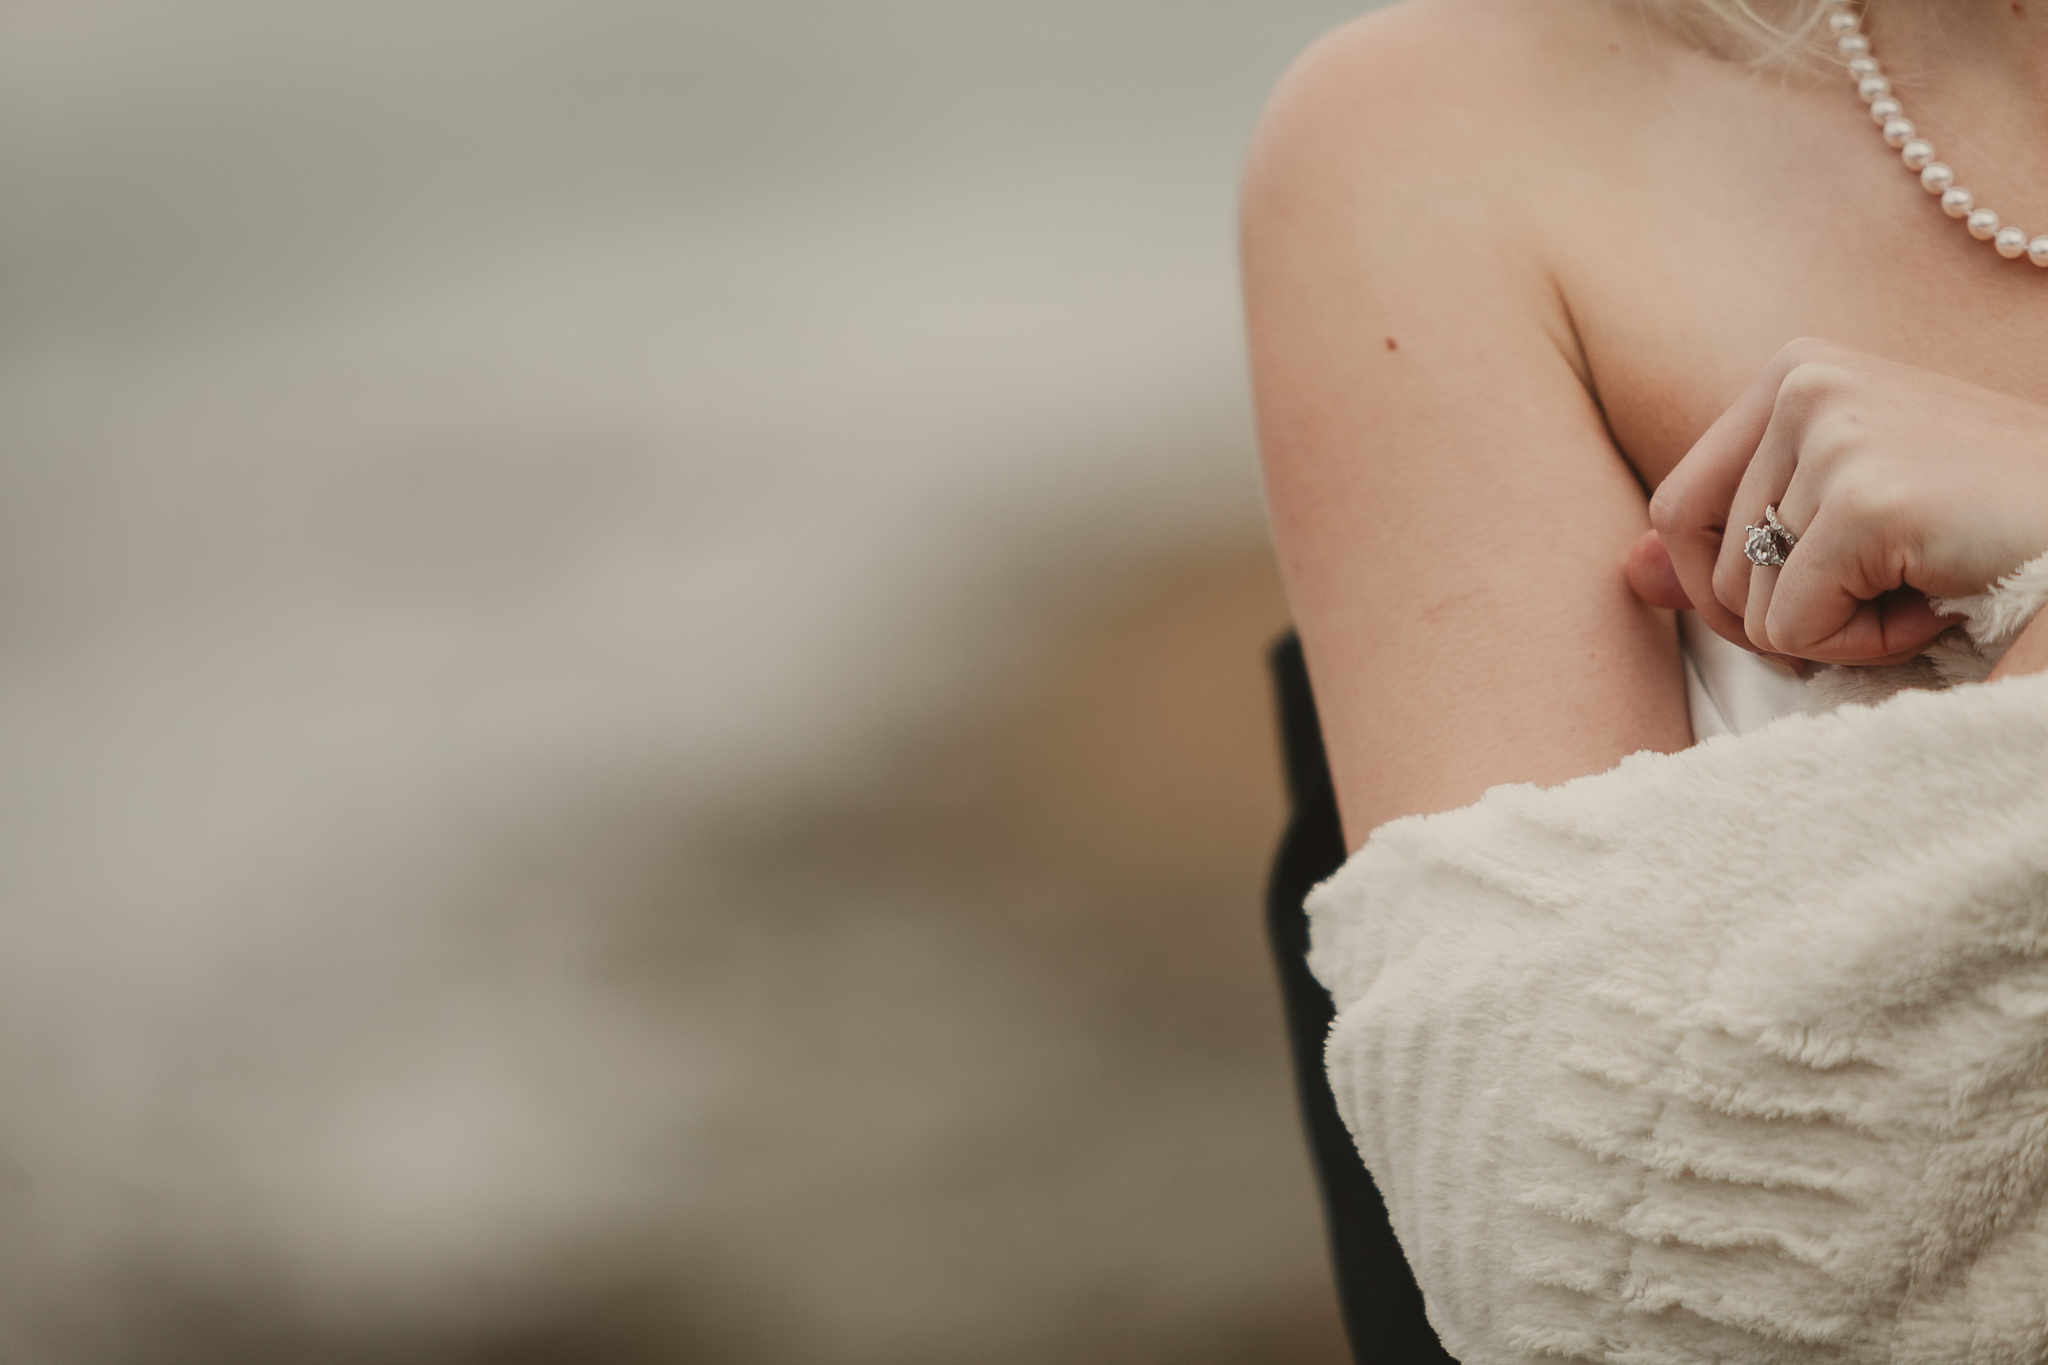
[[1651, 577]]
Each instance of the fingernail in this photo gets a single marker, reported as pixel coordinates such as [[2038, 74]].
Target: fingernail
[[1796, 667]]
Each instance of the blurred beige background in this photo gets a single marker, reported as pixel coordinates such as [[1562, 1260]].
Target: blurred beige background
[[632, 703]]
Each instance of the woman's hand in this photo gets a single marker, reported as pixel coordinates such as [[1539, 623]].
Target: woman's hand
[[1897, 483]]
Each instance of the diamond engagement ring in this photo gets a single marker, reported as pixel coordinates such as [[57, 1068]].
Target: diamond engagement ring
[[1767, 545]]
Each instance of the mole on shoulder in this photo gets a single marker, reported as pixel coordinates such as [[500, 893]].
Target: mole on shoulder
[[1393, 345]]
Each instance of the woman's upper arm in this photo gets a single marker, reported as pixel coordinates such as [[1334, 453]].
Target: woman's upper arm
[[1451, 515]]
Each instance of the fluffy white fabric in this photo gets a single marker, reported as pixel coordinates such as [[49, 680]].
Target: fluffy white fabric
[[1995, 617], [1735, 1054]]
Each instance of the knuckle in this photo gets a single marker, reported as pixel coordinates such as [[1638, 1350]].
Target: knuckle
[[1830, 439], [1811, 383], [1800, 350]]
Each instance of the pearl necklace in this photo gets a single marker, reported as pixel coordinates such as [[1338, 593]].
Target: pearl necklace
[[1916, 151]]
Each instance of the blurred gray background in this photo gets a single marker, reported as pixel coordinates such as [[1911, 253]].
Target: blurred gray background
[[632, 710]]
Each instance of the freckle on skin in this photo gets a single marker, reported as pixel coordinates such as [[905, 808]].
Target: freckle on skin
[[1393, 345], [1614, 47]]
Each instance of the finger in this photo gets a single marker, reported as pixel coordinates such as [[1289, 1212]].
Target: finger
[[1651, 577], [1891, 628], [1757, 610], [1803, 605], [1691, 507], [1690, 510], [1840, 599], [1770, 472]]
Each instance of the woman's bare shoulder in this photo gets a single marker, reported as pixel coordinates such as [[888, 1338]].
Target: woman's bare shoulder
[[1409, 168], [1466, 97]]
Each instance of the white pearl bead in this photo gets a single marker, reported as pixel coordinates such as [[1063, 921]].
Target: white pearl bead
[[1917, 152]]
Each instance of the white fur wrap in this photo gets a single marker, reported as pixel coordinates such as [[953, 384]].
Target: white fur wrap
[[1734, 1054]]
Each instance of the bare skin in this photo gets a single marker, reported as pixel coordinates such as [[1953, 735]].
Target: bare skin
[[1505, 265]]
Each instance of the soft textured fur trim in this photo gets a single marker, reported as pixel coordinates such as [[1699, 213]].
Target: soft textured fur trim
[[1994, 618], [1734, 1054]]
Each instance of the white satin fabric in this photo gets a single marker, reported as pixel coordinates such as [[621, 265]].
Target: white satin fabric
[[1729, 690]]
